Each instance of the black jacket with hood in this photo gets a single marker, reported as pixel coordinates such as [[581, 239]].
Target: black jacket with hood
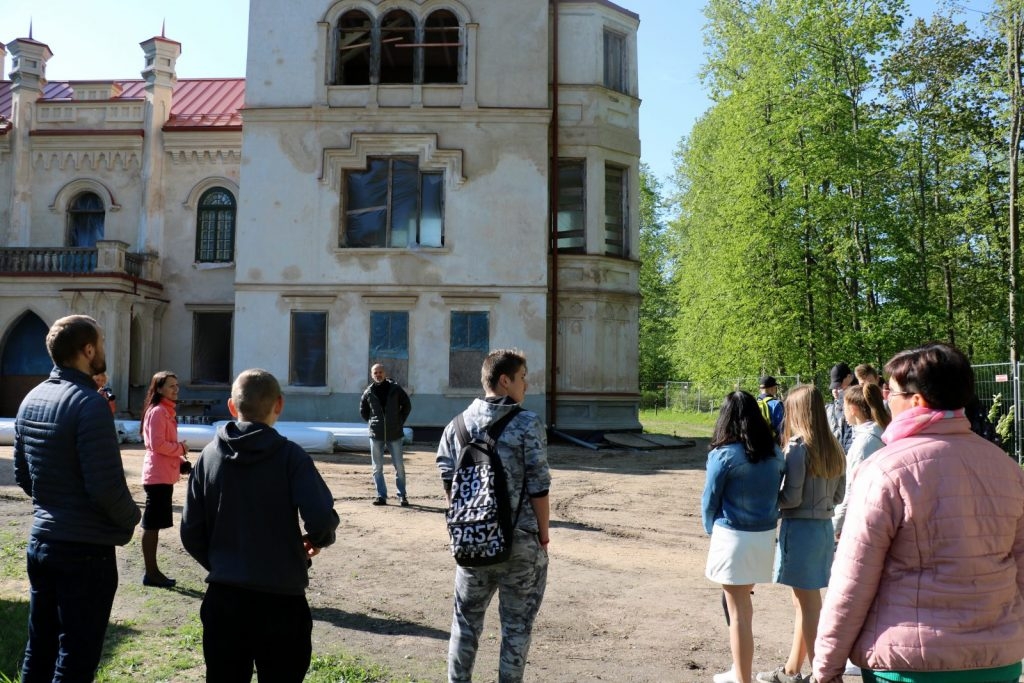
[[387, 419], [244, 498]]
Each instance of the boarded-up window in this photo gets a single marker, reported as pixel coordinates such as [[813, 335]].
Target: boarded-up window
[[389, 343], [211, 347], [308, 356], [393, 204], [470, 341], [616, 228], [572, 233]]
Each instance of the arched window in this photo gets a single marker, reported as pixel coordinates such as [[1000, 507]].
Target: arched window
[[355, 47], [215, 226], [441, 48], [397, 47], [86, 215]]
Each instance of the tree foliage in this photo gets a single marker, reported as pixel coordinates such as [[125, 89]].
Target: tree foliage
[[845, 196]]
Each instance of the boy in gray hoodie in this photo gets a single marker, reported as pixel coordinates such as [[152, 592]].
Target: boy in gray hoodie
[[240, 523]]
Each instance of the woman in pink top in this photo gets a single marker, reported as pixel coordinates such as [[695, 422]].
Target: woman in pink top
[[161, 469], [928, 578]]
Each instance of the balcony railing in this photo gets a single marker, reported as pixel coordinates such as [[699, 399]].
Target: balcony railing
[[108, 256], [48, 260]]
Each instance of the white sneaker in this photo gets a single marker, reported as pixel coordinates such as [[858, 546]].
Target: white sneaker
[[851, 669], [725, 677]]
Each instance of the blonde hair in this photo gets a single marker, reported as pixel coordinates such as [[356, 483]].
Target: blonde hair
[[867, 400], [805, 417]]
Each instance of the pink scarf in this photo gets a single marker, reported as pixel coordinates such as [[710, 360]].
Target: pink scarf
[[913, 420]]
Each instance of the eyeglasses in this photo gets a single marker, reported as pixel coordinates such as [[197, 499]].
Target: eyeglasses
[[901, 393]]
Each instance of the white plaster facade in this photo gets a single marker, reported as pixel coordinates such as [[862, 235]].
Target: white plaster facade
[[485, 134]]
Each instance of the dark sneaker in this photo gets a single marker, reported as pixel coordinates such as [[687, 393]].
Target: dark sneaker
[[403, 501], [380, 501], [779, 676]]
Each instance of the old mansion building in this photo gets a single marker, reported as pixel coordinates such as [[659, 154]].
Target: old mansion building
[[412, 182]]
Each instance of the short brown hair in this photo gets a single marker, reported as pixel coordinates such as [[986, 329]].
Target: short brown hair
[[500, 362], [939, 372], [69, 335], [254, 393]]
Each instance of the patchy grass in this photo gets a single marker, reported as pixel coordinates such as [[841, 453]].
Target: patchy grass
[[692, 425], [344, 669]]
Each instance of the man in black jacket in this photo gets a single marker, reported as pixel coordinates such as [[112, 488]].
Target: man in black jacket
[[385, 406], [66, 457]]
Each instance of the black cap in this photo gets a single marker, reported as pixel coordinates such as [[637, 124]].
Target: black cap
[[840, 371], [767, 382]]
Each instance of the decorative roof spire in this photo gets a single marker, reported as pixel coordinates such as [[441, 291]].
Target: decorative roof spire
[[30, 28], [163, 28]]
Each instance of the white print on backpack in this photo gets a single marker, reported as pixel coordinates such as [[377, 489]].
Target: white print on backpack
[[472, 522]]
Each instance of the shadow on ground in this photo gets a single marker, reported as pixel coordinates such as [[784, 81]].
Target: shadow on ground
[[371, 624]]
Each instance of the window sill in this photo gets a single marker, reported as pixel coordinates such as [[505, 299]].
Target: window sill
[[309, 391], [360, 251], [213, 265], [462, 392]]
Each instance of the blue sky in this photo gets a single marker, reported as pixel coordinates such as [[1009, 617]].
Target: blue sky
[[100, 39]]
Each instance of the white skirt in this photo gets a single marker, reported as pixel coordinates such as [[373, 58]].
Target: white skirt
[[740, 558]]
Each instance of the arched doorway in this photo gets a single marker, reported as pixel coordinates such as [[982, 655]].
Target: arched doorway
[[24, 362]]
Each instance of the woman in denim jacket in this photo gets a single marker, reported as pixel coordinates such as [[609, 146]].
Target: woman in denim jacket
[[740, 508]]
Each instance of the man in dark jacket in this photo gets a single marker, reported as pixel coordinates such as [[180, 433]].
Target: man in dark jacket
[[66, 457], [245, 496], [385, 406]]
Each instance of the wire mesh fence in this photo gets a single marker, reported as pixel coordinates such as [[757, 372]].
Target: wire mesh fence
[[998, 386]]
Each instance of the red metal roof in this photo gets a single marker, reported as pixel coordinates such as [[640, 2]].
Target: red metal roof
[[197, 103]]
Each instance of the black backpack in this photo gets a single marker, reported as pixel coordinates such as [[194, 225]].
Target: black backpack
[[480, 521]]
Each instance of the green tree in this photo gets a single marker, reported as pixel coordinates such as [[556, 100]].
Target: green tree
[[657, 306]]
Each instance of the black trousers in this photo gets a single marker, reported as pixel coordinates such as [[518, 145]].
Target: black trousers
[[243, 629]]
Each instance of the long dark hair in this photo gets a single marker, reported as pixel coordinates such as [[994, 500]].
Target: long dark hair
[[152, 395], [740, 421]]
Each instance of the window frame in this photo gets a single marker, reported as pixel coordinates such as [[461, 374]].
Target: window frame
[[294, 346], [75, 214], [395, 359], [579, 206], [215, 253], [416, 237], [382, 45], [616, 75], [197, 344], [467, 354], [621, 229]]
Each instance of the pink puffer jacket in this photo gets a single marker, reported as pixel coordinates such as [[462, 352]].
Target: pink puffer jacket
[[929, 572], [163, 450]]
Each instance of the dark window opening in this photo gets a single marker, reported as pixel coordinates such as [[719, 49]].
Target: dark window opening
[[572, 195], [86, 216], [355, 49], [211, 348], [441, 38], [393, 204], [397, 48], [215, 227], [308, 357]]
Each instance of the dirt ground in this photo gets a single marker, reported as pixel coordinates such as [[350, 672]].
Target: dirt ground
[[626, 598]]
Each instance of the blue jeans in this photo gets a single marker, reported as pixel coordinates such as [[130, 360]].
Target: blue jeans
[[72, 590], [377, 457]]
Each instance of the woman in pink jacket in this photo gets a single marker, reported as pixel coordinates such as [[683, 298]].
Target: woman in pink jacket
[[929, 574], [161, 469]]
